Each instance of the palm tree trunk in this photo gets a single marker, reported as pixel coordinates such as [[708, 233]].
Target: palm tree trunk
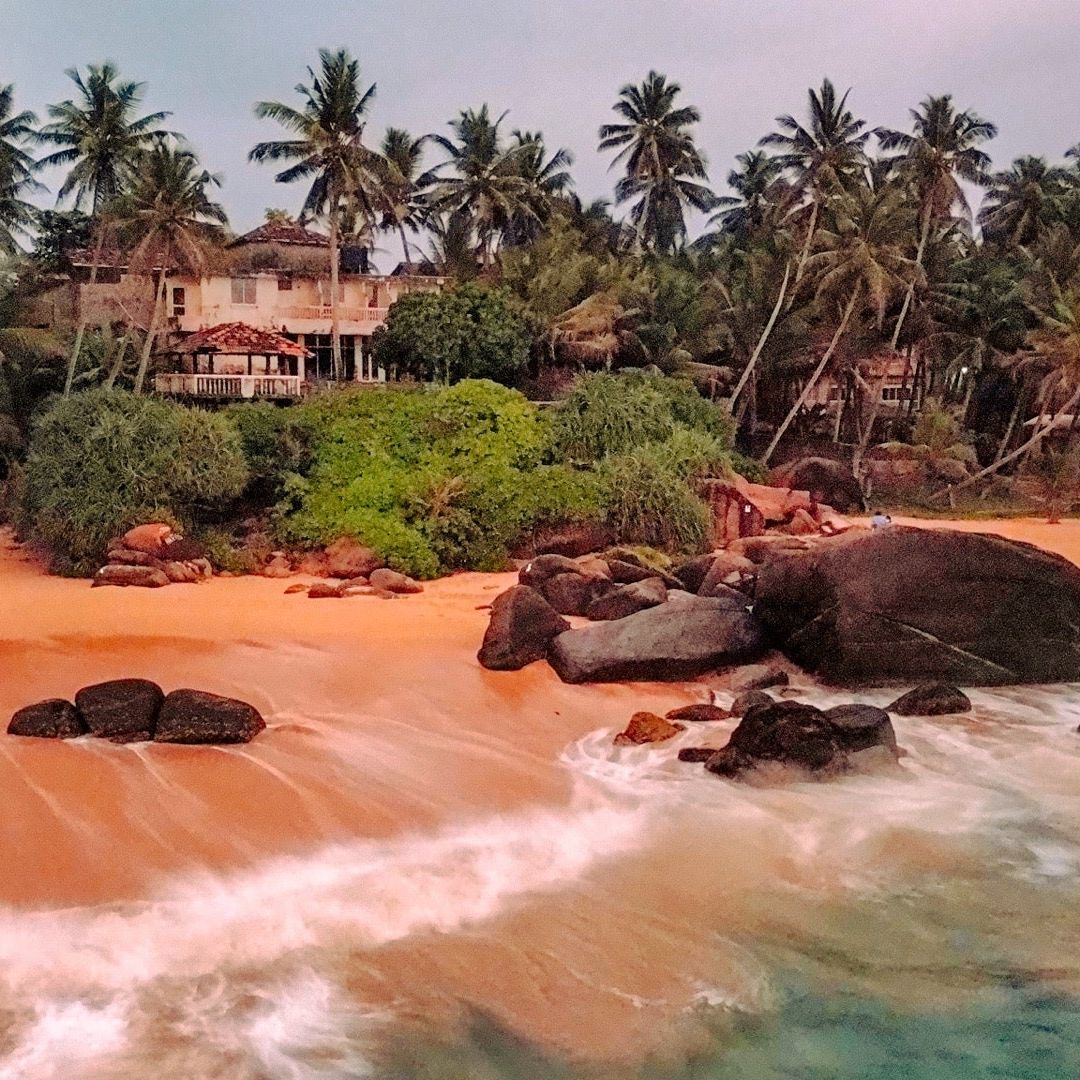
[[812, 382], [335, 266], [1013, 417], [405, 248], [764, 336], [924, 235], [1040, 434], [151, 334], [118, 362], [811, 230], [76, 349]]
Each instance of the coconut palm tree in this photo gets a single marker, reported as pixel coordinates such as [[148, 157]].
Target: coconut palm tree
[[860, 266], [547, 179], [664, 172], [17, 170], [760, 193], [328, 150], [1021, 201], [489, 187], [403, 186], [941, 150], [821, 156], [98, 136], [168, 207]]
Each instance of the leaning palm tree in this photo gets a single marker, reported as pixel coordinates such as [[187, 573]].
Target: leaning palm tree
[[664, 173], [168, 207], [941, 150], [17, 170], [861, 265], [822, 155], [487, 187], [403, 186], [328, 150], [98, 136], [1021, 201]]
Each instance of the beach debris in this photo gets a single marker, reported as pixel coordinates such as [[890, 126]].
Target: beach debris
[[523, 625], [647, 727], [932, 699]]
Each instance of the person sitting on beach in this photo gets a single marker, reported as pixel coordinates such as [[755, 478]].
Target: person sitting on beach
[[880, 520]]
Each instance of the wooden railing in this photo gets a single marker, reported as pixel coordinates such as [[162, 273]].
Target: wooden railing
[[227, 386], [346, 313]]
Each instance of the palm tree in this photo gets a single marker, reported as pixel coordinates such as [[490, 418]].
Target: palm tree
[[822, 156], [17, 170], [489, 188], [403, 186], [664, 172], [99, 136], [328, 149], [862, 261], [759, 193], [1021, 201], [168, 207], [547, 180], [941, 150]]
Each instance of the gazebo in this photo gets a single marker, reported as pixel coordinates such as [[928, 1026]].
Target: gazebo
[[234, 360]]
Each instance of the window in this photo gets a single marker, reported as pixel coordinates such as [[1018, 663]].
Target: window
[[895, 393], [179, 302], [243, 290], [284, 284]]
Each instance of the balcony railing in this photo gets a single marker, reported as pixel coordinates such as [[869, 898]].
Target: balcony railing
[[346, 313], [180, 384], [267, 315]]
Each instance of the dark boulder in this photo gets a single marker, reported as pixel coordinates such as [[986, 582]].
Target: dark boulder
[[391, 581], [728, 572], [757, 677], [146, 577], [858, 727], [625, 573], [693, 572], [697, 755], [124, 710], [183, 549], [933, 699], [828, 481], [536, 571], [789, 732], [523, 625], [194, 716], [743, 703], [671, 641], [323, 590], [574, 593], [699, 714], [901, 604], [52, 719], [628, 599]]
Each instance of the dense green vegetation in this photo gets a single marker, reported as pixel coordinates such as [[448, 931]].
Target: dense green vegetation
[[102, 461]]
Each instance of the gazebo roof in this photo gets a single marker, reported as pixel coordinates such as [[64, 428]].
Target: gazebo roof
[[238, 339]]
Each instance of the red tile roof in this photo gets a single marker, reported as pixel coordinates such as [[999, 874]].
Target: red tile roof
[[282, 234], [238, 339]]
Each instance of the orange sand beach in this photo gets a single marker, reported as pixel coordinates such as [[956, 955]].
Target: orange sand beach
[[396, 822]]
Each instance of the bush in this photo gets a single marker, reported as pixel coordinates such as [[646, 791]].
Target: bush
[[276, 442], [102, 461], [610, 414], [432, 480], [463, 333]]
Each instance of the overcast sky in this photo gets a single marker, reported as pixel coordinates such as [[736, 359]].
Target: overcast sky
[[557, 65]]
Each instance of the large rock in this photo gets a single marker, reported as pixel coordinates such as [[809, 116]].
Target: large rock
[[699, 714], [147, 577], [626, 573], [194, 716], [523, 625], [628, 599], [729, 570], [124, 710], [693, 572], [858, 727], [147, 538], [904, 604], [827, 481], [536, 571], [573, 593], [757, 677], [348, 558], [933, 699], [392, 581], [672, 641], [52, 719]]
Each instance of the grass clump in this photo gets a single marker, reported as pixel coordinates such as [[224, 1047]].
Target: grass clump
[[102, 461]]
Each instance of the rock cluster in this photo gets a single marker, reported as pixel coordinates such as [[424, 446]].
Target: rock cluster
[[383, 583], [138, 710], [152, 556]]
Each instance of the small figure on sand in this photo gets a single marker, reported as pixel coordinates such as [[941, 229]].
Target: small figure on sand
[[880, 520]]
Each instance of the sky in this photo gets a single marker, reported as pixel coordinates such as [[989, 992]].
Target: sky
[[557, 66]]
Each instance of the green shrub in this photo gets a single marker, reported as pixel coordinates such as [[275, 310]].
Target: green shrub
[[276, 442], [464, 333], [610, 414], [102, 461]]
